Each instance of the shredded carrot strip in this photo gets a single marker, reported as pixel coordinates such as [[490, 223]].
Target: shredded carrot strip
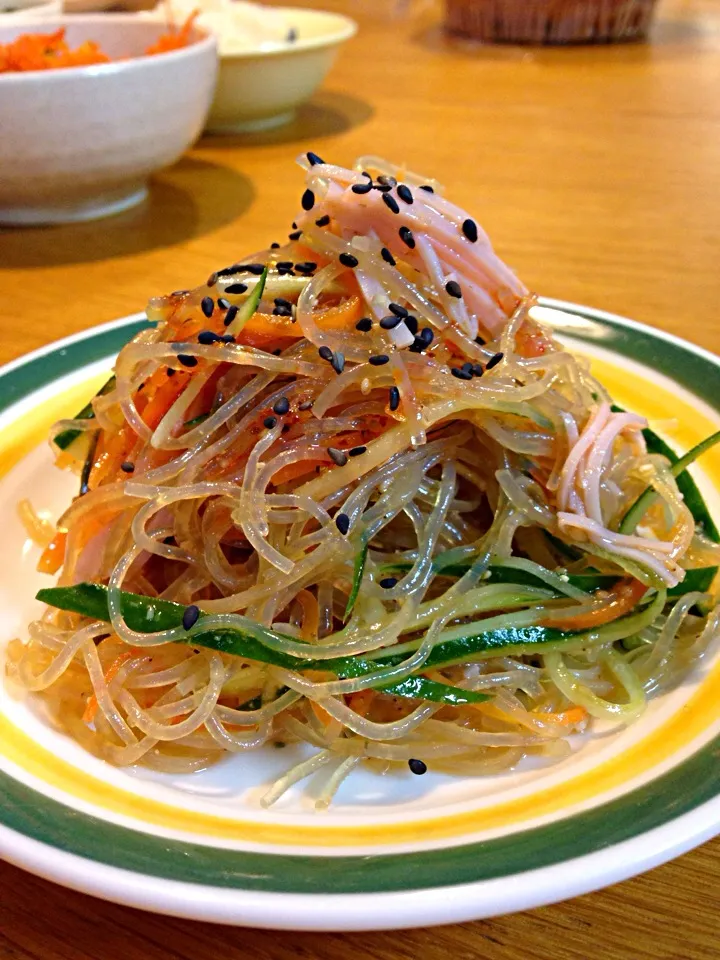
[[311, 615], [322, 715], [53, 555], [620, 599], [111, 672], [570, 717], [361, 701]]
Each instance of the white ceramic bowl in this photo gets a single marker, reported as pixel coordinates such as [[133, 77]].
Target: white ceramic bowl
[[80, 143], [30, 8], [260, 89]]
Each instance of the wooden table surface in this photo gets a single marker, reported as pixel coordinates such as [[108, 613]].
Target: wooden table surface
[[596, 173]]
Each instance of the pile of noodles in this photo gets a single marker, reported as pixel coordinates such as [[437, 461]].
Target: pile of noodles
[[485, 442]]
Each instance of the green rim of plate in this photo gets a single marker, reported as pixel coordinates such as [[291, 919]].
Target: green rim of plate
[[679, 791]]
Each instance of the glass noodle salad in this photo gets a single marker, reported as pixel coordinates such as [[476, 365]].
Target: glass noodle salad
[[349, 492]]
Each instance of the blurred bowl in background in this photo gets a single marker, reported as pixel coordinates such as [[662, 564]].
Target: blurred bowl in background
[[29, 8], [262, 88], [81, 142]]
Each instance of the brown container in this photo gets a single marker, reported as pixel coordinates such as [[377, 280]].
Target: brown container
[[549, 21]]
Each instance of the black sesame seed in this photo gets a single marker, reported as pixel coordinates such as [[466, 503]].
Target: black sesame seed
[[427, 188], [275, 246], [364, 324], [191, 615], [295, 236], [467, 367], [282, 312], [337, 456], [453, 289], [313, 158], [389, 323], [306, 267], [277, 352], [270, 422], [494, 361], [480, 341], [230, 315], [387, 583], [322, 221], [236, 288], [403, 191], [477, 370], [469, 228], [307, 200], [127, 467], [348, 260], [397, 309], [223, 304], [294, 225], [357, 451], [207, 305], [361, 187], [391, 203], [171, 371], [461, 374], [342, 522], [206, 337], [382, 187], [412, 324], [387, 181], [179, 293], [292, 35], [417, 767], [427, 336], [338, 362], [282, 302], [305, 405], [281, 406], [394, 400], [406, 236], [284, 264], [227, 338], [170, 541], [379, 360], [387, 256], [325, 353], [187, 361], [256, 268], [212, 279]]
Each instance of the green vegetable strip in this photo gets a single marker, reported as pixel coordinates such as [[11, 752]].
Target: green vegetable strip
[[63, 440], [88, 465], [250, 305], [638, 510], [152, 615], [196, 420], [358, 572], [699, 579]]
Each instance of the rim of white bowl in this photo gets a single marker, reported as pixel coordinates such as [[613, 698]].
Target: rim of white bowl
[[202, 41], [346, 28]]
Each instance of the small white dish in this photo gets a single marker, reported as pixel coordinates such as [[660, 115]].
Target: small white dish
[[260, 89], [80, 143]]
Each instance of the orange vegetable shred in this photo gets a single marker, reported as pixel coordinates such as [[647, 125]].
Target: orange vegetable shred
[[50, 51]]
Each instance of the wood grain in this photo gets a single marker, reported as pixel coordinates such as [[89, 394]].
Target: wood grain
[[595, 171]]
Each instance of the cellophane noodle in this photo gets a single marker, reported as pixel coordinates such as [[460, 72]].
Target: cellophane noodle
[[461, 439]]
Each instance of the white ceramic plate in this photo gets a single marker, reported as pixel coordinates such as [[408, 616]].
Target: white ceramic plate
[[393, 851]]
